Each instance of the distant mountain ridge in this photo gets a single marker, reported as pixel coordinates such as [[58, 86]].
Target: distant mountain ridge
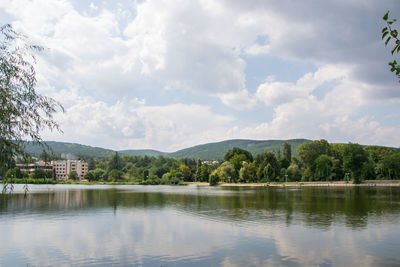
[[143, 152], [209, 151], [78, 150], [216, 151]]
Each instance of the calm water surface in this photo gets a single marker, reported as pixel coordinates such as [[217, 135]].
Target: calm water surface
[[79, 225]]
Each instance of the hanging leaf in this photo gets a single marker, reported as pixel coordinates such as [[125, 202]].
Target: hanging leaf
[[386, 16], [384, 34], [388, 39]]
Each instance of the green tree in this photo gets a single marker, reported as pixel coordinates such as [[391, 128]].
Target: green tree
[[354, 157], [157, 171], [115, 175], [204, 173], [23, 112], [115, 162], [227, 172], [44, 156], [293, 172], [262, 160], [237, 151], [309, 152], [368, 170], [89, 176], [146, 174], [283, 163], [323, 167], [99, 174], [40, 174], [390, 33], [378, 153], [287, 152], [214, 178], [173, 177], [269, 173], [187, 174], [247, 173], [73, 175], [337, 161], [91, 164], [391, 165], [198, 170], [14, 173], [237, 161]]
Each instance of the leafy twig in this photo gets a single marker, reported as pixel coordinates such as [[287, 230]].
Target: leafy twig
[[392, 34]]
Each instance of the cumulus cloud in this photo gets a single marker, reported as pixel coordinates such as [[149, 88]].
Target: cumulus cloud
[[99, 59], [334, 117], [130, 123], [274, 93], [239, 100]]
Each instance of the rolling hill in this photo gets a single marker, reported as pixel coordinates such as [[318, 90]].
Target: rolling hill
[[216, 151], [143, 152], [78, 150], [210, 151]]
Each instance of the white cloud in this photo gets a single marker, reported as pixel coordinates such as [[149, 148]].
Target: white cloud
[[299, 114], [99, 57], [257, 49], [239, 100], [131, 124], [274, 93], [189, 46]]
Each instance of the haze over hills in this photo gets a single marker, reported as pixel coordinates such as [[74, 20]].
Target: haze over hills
[[210, 151]]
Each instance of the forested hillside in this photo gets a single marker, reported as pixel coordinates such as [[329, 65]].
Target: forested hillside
[[210, 151], [78, 150], [216, 151], [315, 160]]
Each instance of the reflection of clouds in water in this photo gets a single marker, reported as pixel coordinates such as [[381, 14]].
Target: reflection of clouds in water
[[183, 233], [131, 235], [164, 189], [137, 236]]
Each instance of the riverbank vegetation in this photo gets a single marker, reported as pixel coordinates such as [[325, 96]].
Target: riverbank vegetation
[[317, 161]]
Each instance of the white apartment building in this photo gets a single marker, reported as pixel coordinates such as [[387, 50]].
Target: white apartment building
[[63, 168], [60, 169], [31, 167]]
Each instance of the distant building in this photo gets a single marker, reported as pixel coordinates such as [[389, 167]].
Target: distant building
[[64, 167], [60, 169], [215, 162], [31, 167]]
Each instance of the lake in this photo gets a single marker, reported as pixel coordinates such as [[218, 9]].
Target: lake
[[102, 225]]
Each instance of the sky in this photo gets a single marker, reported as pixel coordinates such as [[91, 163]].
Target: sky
[[170, 74]]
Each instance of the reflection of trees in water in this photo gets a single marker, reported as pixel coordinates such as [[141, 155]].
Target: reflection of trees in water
[[318, 207]]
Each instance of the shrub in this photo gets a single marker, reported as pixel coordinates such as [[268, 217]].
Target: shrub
[[214, 178]]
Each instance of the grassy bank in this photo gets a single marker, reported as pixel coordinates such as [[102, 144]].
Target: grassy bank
[[52, 181], [299, 184], [273, 184]]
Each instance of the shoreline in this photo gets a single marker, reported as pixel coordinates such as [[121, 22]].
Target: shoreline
[[369, 183]]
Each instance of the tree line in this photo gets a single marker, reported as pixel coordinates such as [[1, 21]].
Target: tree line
[[317, 161]]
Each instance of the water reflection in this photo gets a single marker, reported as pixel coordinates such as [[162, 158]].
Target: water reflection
[[200, 226], [317, 207]]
